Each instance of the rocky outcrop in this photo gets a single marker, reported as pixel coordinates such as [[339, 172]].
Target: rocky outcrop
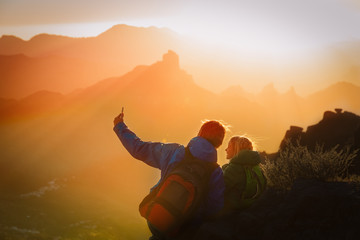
[[171, 59], [336, 128], [311, 210]]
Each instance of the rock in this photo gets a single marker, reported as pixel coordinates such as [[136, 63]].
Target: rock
[[310, 210], [336, 128], [171, 59]]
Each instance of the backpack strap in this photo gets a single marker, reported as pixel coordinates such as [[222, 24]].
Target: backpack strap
[[253, 173], [261, 180], [188, 157], [210, 168]]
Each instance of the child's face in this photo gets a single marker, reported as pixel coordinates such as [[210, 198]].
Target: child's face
[[230, 150]]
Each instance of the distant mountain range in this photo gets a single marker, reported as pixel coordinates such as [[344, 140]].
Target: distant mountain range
[[166, 92], [64, 64], [120, 39]]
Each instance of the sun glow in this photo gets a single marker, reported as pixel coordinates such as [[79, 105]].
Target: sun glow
[[251, 41]]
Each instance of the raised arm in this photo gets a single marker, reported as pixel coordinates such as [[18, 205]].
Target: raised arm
[[155, 154]]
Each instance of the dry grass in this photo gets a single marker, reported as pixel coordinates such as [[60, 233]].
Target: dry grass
[[296, 161]]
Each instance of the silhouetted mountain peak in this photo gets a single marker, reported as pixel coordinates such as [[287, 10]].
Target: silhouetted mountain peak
[[7, 42], [10, 38], [118, 28], [269, 88], [336, 92], [291, 92], [268, 91], [48, 37], [165, 80], [233, 90], [340, 87], [343, 85], [40, 96], [171, 59], [126, 30], [237, 91]]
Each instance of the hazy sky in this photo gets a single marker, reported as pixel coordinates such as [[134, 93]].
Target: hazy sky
[[281, 26]]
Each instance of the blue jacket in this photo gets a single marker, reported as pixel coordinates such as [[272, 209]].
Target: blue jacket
[[164, 156]]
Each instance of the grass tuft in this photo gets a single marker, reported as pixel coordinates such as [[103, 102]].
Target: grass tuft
[[298, 162]]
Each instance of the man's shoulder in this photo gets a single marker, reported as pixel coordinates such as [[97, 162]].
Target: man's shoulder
[[175, 151], [173, 147]]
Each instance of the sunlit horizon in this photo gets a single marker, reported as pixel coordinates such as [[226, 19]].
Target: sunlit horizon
[[275, 31], [93, 29], [293, 43], [278, 60], [261, 44]]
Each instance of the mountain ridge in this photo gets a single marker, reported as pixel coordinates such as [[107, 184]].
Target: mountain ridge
[[113, 53], [165, 85], [123, 47], [268, 96]]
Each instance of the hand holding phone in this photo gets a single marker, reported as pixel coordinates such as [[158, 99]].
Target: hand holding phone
[[120, 117]]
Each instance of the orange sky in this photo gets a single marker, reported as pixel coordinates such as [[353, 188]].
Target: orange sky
[[274, 29], [247, 34]]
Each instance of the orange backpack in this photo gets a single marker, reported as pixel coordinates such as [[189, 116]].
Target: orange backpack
[[178, 195]]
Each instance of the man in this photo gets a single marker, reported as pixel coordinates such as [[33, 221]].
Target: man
[[166, 156]]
